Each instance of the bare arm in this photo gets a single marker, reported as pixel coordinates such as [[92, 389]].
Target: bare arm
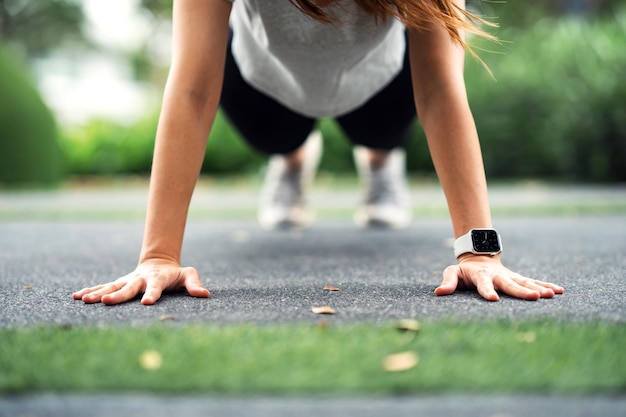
[[190, 103], [189, 106], [443, 109]]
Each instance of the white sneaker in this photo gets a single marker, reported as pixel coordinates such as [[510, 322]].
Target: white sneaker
[[387, 203], [282, 204]]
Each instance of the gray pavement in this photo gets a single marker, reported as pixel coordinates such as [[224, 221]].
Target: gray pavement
[[272, 277], [421, 406], [53, 243]]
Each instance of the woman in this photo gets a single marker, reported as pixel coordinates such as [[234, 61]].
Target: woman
[[311, 59]]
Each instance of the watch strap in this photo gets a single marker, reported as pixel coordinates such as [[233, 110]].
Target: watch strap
[[463, 244]]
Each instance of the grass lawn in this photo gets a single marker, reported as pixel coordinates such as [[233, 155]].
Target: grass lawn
[[496, 356]]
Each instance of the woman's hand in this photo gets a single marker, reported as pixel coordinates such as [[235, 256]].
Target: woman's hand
[[151, 278], [487, 275]]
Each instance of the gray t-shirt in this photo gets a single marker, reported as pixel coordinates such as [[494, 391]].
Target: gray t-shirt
[[315, 69]]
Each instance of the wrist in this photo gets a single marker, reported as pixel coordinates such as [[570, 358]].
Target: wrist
[[152, 256], [470, 257]]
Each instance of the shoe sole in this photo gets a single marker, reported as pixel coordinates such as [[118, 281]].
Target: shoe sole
[[365, 222]]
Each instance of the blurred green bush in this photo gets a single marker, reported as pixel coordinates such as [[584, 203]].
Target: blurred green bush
[[105, 147], [29, 151], [557, 109]]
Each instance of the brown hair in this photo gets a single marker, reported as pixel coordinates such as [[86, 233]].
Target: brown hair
[[416, 14]]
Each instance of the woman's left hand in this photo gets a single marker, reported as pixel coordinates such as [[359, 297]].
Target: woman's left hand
[[488, 276]]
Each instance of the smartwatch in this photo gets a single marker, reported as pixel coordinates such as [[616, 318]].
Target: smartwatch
[[479, 242]]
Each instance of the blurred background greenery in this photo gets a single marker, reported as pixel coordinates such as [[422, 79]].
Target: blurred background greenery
[[555, 109]]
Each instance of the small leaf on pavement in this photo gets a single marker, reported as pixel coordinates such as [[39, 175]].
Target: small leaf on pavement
[[323, 310]]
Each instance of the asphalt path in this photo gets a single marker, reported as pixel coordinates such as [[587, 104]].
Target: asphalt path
[[421, 406], [256, 276], [262, 277]]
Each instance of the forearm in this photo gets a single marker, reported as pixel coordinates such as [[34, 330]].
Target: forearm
[[189, 105], [455, 150], [178, 155], [443, 109]]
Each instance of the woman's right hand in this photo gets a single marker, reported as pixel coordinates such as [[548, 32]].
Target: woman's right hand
[[151, 278]]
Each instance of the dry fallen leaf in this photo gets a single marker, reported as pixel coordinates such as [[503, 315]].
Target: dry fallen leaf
[[323, 310], [408, 325], [399, 362], [150, 360], [167, 317], [526, 337], [330, 288]]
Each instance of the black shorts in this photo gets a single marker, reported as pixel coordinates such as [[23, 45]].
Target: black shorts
[[383, 122]]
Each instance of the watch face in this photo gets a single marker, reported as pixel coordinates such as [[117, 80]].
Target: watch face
[[485, 240]]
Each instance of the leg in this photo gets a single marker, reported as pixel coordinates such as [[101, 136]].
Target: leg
[[265, 124], [271, 128], [380, 128], [386, 120]]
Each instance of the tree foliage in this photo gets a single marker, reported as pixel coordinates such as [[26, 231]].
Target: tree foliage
[[158, 8], [29, 152], [37, 26]]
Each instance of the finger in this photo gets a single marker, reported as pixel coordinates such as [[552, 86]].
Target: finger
[[544, 292], [556, 288], [449, 282], [152, 294], [125, 293], [533, 285], [96, 296], [78, 295], [514, 289], [193, 285], [485, 287]]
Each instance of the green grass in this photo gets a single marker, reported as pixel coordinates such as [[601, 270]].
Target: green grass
[[497, 356]]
